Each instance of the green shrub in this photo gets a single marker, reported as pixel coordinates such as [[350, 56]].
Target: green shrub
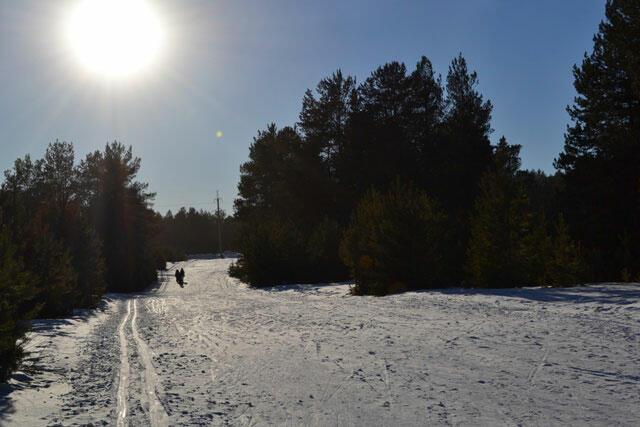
[[273, 252], [394, 242], [55, 278], [511, 244], [501, 234], [322, 251], [15, 290], [564, 264]]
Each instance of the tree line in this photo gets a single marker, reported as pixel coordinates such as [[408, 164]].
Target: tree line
[[69, 232], [192, 231], [394, 182]]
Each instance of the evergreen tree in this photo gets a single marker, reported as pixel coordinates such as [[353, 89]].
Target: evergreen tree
[[602, 146], [15, 292], [566, 265], [58, 179], [324, 122], [425, 115], [510, 243], [89, 263], [543, 191], [463, 154], [273, 253], [380, 148], [55, 279], [353, 139], [499, 224], [119, 210], [395, 242], [196, 232], [54, 219], [465, 151], [19, 195], [36, 197], [269, 180], [282, 210], [325, 115]]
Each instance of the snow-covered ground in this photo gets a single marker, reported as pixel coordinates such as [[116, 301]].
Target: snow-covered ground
[[217, 352]]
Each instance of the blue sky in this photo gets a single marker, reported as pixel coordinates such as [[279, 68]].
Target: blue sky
[[235, 66]]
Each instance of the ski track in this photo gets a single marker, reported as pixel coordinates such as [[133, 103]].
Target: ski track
[[157, 414], [123, 383], [217, 352]]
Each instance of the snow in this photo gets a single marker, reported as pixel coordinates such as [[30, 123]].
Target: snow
[[217, 352]]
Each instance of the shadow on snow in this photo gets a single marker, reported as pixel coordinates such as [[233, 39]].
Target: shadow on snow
[[603, 293]]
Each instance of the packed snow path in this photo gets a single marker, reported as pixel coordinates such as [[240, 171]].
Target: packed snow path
[[219, 353]]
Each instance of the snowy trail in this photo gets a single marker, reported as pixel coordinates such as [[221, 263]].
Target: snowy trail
[[123, 383], [217, 352], [157, 414]]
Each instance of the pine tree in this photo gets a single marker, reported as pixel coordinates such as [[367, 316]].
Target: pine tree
[[566, 265], [282, 203], [463, 154], [601, 157], [425, 109], [118, 207], [395, 241], [57, 178], [511, 244], [51, 264], [16, 289], [269, 180], [499, 225], [325, 115], [383, 148], [465, 151]]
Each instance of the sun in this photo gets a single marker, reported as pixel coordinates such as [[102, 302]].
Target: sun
[[115, 38]]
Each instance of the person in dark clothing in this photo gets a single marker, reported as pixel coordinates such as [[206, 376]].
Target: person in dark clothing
[[180, 277]]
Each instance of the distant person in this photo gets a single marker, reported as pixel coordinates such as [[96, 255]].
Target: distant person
[[180, 277]]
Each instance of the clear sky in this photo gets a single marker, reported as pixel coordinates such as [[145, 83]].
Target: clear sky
[[235, 66]]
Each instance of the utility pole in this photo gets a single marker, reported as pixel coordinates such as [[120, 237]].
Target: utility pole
[[218, 214]]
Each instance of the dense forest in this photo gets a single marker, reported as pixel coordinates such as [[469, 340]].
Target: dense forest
[[69, 232], [394, 182], [192, 231]]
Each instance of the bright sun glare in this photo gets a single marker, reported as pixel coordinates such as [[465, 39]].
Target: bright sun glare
[[115, 38]]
